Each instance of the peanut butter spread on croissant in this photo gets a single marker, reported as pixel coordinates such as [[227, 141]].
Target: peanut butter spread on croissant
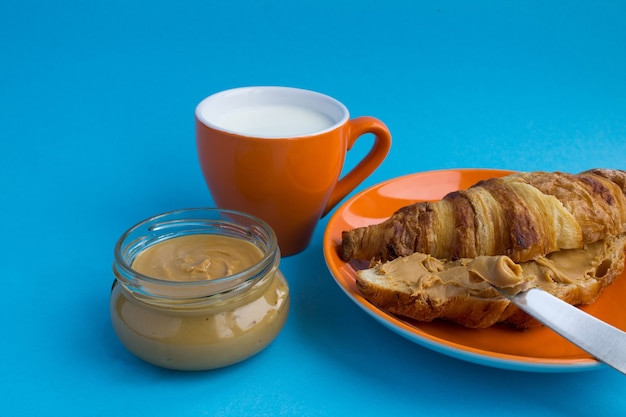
[[561, 232], [424, 288]]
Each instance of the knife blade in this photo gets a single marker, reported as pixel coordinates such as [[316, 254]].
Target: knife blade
[[601, 340]]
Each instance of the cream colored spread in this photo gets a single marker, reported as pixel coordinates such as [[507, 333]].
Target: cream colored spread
[[441, 280], [208, 332], [578, 268], [422, 274], [424, 288], [499, 271], [207, 337], [196, 257]]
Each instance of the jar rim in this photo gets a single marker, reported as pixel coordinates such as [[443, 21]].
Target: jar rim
[[216, 221]]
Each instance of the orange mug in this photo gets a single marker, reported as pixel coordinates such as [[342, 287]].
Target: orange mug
[[278, 153]]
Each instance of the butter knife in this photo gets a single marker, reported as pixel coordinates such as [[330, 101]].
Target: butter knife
[[601, 340]]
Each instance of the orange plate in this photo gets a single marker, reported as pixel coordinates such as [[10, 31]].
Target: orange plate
[[538, 349]]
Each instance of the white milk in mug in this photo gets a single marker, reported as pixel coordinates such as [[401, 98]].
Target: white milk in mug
[[275, 121]]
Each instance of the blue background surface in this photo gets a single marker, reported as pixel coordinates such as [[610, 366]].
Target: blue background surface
[[97, 133]]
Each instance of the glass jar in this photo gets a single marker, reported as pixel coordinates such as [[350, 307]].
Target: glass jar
[[198, 324]]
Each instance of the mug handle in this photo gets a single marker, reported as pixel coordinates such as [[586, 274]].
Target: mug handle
[[359, 126]]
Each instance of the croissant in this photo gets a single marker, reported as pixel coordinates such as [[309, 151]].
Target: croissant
[[522, 216], [423, 288]]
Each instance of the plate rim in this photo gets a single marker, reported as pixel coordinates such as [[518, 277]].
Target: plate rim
[[433, 342]]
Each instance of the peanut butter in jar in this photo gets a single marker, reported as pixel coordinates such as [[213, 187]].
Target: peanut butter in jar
[[198, 289]]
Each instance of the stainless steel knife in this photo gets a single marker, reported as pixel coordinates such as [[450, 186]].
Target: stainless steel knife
[[603, 341]]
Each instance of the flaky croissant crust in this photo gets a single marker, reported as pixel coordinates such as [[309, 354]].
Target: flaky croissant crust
[[522, 215]]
